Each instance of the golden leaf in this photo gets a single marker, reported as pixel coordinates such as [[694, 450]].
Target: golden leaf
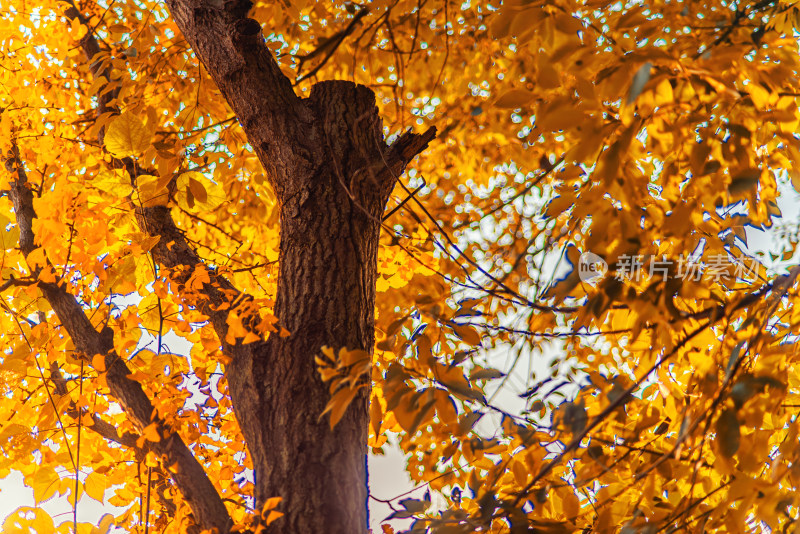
[[95, 486], [744, 181], [468, 334], [338, 404], [151, 193], [515, 98], [198, 190], [273, 515], [126, 136], [271, 503], [99, 363], [150, 433], [375, 415]]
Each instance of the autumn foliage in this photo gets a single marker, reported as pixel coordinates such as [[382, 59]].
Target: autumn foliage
[[651, 397]]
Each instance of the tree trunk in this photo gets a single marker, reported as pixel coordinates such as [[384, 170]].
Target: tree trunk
[[326, 296], [332, 173]]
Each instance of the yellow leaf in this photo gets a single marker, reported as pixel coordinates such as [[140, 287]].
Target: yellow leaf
[[515, 98], [127, 136], [250, 337], [375, 414], [196, 188], [467, 334], [328, 352], [758, 95], [47, 275], [663, 93], [95, 486], [382, 285], [570, 503], [386, 344], [105, 524], [520, 472], [116, 182], [728, 433], [37, 258], [87, 419], [698, 157], [326, 373], [44, 482], [351, 357], [561, 117], [445, 408], [97, 84], [744, 181], [149, 242], [150, 192], [547, 77], [118, 28], [501, 24], [794, 175], [404, 412], [25, 519]]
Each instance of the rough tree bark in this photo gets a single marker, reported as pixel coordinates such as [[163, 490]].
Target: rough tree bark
[[332, 172]]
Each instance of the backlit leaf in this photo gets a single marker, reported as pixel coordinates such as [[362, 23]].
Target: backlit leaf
[[127, 136]]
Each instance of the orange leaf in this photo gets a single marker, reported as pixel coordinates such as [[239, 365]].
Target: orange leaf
[[150, 433], [515, 98], [273, 515]]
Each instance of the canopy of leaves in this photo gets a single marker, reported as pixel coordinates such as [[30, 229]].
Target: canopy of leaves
[[649, 135]]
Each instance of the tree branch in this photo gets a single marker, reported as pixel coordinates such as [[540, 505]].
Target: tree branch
[[233, 50], [406, 148], [189, 476], [109, 432], [174, 253], [99, 426], [98, 68], [329, 46]]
